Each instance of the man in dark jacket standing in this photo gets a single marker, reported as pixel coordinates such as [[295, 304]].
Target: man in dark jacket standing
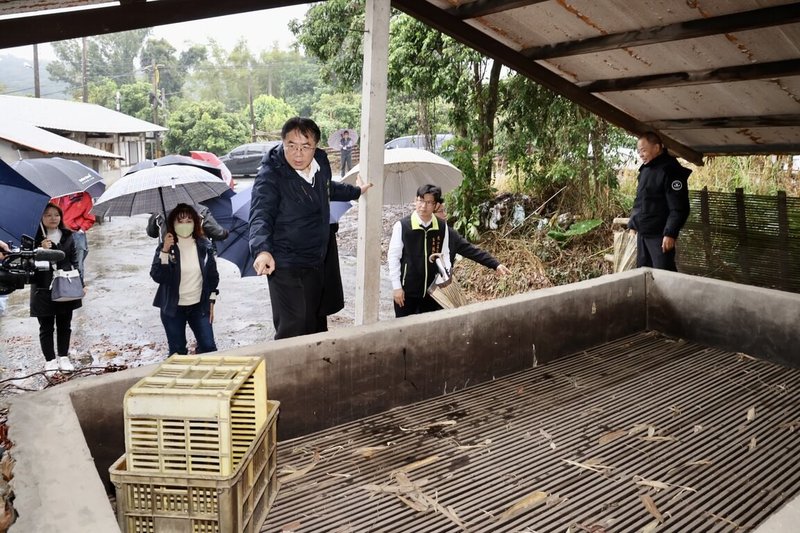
[[661, 206], [290, 225]]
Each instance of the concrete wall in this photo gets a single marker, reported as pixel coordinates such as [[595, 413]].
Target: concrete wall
[[760, 322], [65, 435]]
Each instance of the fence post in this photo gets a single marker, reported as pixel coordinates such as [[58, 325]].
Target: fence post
[[783, 240], [743, 251], [705, 222]]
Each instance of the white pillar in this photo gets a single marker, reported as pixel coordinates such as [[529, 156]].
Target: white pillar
[[373, 126]]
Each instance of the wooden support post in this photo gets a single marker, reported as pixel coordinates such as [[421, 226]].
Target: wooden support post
[[743, 251], [783, 241]]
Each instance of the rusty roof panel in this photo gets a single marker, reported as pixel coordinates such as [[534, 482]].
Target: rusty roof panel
[[758, 98], [13, 7]]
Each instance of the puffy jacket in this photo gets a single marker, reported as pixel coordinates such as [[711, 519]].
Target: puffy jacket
[[662, 198], [168, 277], [289, 217]]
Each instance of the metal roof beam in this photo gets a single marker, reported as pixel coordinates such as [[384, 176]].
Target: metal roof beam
[[768, 121], [76, 23], [758, 71], [481, 8], [690, 29], [488, 46]]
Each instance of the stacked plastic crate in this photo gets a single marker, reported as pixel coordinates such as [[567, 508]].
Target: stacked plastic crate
[[200, 440]]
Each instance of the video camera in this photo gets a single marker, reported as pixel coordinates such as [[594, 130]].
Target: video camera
[[20, 264]]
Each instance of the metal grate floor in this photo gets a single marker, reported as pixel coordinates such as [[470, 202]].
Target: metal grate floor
[[646, 433]]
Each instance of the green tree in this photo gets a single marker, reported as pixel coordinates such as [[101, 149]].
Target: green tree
[[107, 56], [171, 71], [550, 142], [337, 110], [133, 98], [204, 126], [271, 113]]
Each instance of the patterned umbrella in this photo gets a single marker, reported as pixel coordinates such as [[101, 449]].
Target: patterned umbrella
[[158, 190]]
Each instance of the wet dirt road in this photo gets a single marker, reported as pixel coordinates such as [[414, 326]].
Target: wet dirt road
[[118, 324]]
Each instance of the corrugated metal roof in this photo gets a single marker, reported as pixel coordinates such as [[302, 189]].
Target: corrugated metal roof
[[46, 142], [713, 77], [63, 115]]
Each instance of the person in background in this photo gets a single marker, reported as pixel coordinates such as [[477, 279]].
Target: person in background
[[346, 152], [78, 219], [290, 225], [461, 246], [185, 269], [661, 206], [414, 239], [54, 316]]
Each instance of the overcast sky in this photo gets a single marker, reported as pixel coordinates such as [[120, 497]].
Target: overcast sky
[[260, 28]]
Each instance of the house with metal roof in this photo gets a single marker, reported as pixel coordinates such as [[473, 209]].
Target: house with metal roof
[[101, 138]]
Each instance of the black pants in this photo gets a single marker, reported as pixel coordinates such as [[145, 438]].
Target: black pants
[[295, 294], [649, 254], [416, 305], [47, 325]]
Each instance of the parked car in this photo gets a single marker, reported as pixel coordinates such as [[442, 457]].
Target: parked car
[[244, 160], [419, 141]]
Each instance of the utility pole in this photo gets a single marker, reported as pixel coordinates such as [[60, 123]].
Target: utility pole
[[252, 113], [36, 90], [84, 76], [157, 146]]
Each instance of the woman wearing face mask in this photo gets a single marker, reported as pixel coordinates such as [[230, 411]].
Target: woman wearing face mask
[[186, 272]]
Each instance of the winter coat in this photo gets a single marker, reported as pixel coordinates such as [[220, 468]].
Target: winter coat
[[168, 277], [41, 303], [289, 217], [661, 206]]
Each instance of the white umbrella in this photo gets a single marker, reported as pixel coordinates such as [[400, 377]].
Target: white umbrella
[[406, 169], [158, 190]]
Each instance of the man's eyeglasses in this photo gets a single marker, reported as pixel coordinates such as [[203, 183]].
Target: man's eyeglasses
[[429, 203], [302, 148]]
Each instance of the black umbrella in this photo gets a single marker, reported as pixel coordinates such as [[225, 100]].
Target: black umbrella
[[174, 159], [60, 177]]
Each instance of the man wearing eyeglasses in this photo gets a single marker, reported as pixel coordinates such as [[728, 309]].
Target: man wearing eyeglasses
[[290, 225], [414, 239]]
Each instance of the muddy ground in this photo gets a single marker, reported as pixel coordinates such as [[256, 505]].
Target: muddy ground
[[118, 324]]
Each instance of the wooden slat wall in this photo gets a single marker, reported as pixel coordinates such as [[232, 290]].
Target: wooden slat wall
[[748, 239]]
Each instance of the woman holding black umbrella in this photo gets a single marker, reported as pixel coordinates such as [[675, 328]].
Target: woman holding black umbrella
[[185, 269], [54, 316]]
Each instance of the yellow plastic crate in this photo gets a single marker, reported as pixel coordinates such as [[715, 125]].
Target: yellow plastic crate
[[195, 414], [238, 503]]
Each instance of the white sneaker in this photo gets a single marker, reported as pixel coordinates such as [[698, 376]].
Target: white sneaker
[[64, 364], [50, 365]]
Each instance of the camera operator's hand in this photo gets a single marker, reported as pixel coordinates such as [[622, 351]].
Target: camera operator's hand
[[3, 248], [169, 241]]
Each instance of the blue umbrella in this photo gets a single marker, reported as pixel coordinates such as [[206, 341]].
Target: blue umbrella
[[23, 205], [241, 206], [236, 248]]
